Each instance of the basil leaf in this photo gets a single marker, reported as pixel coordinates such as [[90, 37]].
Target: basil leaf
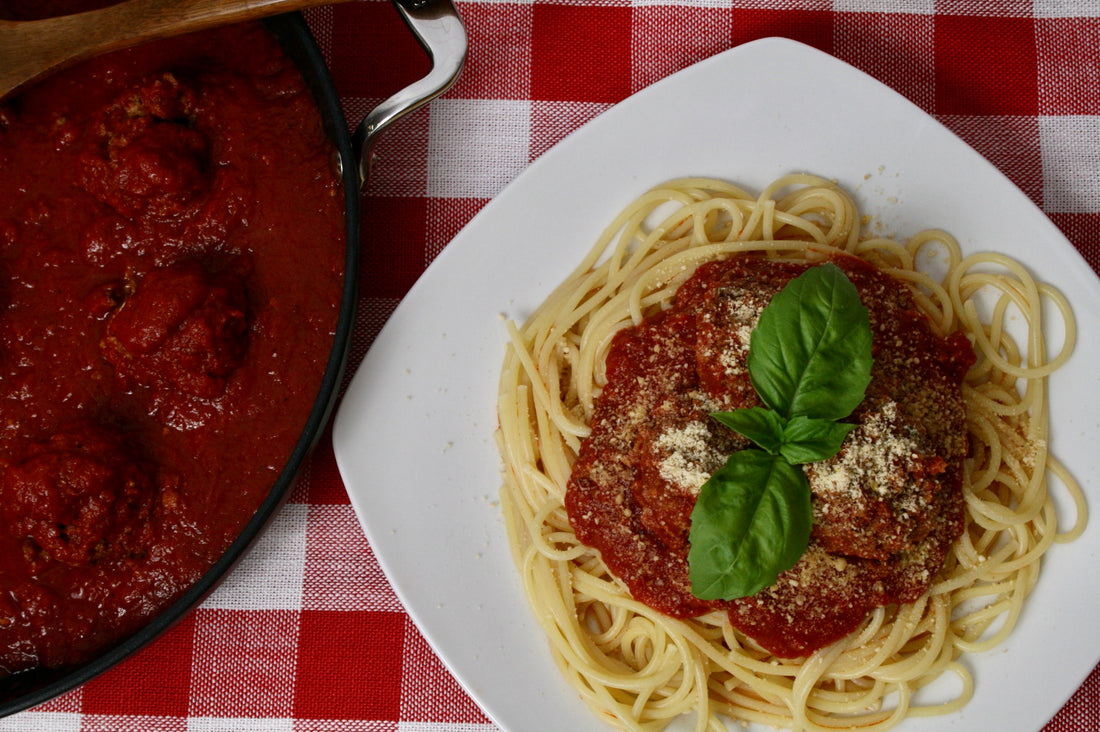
[[808, 440], [810, 353], [810, 363], [751, 522], [762, 426]]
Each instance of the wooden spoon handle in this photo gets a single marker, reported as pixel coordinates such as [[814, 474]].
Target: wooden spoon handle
[[32, 48]]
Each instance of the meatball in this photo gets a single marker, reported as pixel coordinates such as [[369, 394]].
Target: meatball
[[80, 497], [147, 159], [180, 326]]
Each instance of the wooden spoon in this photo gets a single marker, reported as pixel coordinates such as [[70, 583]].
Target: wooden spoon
[[30, 49]]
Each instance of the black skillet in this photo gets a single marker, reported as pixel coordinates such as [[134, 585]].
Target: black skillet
[[437, 26]]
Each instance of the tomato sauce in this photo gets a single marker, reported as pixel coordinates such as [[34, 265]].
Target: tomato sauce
[[886, 509], [171, 265]]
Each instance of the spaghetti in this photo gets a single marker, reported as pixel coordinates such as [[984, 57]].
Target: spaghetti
[[640, 669]]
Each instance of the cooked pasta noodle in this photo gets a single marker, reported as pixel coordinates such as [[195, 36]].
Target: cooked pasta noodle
[[639, 669]]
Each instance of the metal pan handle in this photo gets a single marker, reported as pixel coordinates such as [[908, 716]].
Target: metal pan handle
[[438, 27]]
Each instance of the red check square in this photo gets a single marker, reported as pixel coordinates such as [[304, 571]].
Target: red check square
[[996, 76], [349, 665], [372, 53], [154, 682], [580, 53], [1083, 230], [393, 234], [812, 27]]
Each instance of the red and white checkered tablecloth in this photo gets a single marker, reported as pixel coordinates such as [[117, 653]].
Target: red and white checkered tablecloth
[[307, 634]]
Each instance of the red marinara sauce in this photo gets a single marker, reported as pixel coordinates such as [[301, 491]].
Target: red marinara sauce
[[886, 509], [171, 265]]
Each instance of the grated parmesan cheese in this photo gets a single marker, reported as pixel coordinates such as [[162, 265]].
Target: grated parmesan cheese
[[876, 456], [691, 459]]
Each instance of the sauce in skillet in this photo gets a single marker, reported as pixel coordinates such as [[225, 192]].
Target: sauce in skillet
[[171, 264]]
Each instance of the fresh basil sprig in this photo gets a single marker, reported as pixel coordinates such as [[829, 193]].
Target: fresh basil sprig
[[810, 362]]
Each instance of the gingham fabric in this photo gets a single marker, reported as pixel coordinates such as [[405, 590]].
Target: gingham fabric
[[306, 634]]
